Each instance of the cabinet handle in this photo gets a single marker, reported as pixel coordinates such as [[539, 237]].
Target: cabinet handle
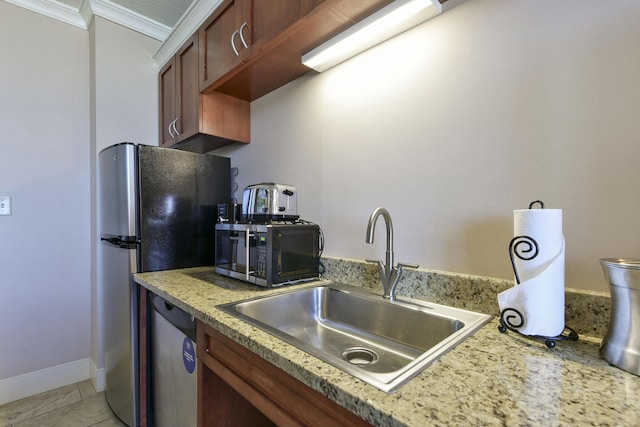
[[175, 129], [242, 27], [233, 45], [169, 127]]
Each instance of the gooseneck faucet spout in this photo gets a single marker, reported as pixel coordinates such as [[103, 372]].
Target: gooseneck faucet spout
[[389, 275], [371, 228]]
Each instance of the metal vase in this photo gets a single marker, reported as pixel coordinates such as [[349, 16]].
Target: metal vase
[[621, 345]]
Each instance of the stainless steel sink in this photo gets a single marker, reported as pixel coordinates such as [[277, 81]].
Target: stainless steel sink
[[381, 342]]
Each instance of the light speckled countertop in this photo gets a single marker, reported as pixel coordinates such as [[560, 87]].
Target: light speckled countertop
[[489, 379]]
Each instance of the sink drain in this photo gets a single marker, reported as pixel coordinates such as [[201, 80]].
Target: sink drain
[[360, 356]]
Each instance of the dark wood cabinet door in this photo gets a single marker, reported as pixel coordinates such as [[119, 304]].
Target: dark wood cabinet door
[[166, 93], [216, 50], [187, 90], [268, 18]]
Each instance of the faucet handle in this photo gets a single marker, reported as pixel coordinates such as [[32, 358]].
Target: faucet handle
[[404, 264]]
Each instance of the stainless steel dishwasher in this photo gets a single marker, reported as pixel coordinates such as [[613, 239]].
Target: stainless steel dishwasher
[[173, 376]]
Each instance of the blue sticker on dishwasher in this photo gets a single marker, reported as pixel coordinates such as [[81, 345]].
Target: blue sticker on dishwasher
[[189, 355]]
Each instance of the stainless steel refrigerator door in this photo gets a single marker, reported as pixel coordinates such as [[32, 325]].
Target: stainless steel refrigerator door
[[118, 190], [117, 197], [120, 307]]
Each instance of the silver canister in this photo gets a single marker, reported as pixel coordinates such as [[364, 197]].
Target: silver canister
[[621, 345]]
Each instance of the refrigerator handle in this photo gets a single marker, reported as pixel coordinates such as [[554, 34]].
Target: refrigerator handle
[[128, 243]]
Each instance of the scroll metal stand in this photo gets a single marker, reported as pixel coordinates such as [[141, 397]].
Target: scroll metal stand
[[526, 248]]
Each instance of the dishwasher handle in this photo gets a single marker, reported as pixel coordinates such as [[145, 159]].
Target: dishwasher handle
[[174, 315]]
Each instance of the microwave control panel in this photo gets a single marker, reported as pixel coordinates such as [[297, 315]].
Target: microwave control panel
[[261, 254]]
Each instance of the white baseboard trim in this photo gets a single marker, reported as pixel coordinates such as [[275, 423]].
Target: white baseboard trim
[[35, 382], [98, 377]]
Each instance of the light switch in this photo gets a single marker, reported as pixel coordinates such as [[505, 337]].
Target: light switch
[[5, 205]]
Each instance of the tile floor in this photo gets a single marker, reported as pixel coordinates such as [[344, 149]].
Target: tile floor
[[76, 405]]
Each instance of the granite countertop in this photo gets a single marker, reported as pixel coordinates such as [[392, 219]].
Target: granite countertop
[[489, 379]]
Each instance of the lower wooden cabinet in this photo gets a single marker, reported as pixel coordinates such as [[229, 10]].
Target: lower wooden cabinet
[[237, 387]]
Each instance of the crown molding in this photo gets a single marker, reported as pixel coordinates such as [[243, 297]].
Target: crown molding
[[53, 9], [127, 18], [104, 8], [192, 19]]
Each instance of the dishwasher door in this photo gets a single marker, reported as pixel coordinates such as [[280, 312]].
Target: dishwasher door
[[174, 379]]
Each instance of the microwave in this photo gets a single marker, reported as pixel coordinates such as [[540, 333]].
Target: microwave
[[268, 254]]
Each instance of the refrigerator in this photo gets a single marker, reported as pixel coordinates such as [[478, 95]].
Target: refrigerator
[[157, 211]]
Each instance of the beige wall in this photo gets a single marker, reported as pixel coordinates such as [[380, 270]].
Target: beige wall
[[458, 122], [126, 85], [65, 93], [44, 167]]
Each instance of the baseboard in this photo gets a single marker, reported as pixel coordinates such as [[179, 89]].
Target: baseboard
[[98, 377], [35, 382]]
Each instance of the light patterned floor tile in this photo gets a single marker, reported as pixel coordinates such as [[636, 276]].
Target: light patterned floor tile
[[80, 414], [77, 405], [23, 409], [111, 422], [86, 389]]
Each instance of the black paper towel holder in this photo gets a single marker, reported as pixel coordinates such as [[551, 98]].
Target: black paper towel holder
[[510, 318]]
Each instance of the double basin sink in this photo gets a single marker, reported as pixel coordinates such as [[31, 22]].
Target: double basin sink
[[381, 342]]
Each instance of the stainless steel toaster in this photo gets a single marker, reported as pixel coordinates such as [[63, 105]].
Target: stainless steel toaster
[[267, 202]]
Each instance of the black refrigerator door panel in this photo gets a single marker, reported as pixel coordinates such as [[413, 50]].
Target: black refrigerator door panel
[[179, 193]]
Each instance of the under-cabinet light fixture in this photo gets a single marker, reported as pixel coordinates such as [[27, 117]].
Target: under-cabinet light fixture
[[387, 22]]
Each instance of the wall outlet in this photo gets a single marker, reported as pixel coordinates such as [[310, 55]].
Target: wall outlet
[[5, 205]]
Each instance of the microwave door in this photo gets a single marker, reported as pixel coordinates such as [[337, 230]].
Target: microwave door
[[247, 255], [236, 254], [230, 252]]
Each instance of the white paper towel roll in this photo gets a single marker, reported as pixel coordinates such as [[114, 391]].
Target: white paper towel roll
[[536, 305]]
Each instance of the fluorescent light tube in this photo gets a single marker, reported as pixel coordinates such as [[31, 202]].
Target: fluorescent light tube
[[388, 22]]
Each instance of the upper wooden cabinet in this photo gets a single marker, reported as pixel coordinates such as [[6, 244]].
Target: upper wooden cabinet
[[166, 95], [218, 37], [179, 95], [261, 50], [190, 119], [244, 50], [238, 28]]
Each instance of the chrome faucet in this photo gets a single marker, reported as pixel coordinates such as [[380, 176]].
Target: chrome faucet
[[389, 275]]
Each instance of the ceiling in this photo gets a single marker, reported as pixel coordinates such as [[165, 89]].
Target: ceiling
[[155, 18]]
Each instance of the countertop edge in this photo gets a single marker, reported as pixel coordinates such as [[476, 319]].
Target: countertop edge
[[500, 367]]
